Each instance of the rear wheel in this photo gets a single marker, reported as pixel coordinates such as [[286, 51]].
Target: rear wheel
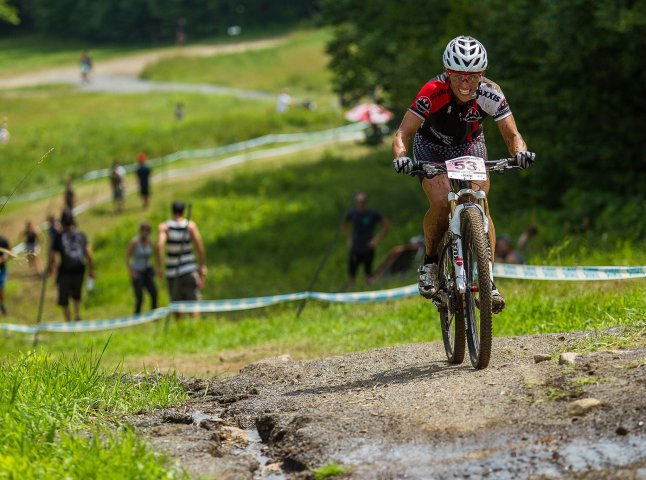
[[451, 311], [477, 298]]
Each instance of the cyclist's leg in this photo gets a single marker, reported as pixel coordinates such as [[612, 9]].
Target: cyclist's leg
[[436, 220]]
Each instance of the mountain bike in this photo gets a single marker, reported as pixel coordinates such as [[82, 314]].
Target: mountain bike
[[465, 273]]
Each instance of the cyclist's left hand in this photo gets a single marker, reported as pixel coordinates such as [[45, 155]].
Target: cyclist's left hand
[[525, 159]]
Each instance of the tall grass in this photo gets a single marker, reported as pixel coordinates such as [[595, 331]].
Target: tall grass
[[58, 419]]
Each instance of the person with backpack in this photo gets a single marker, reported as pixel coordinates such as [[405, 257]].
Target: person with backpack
[[75, 259]]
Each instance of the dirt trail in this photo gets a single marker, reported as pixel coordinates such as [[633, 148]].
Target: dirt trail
[[130, 65], [403, 412]]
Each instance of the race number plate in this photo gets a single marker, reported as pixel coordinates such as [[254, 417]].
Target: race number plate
[[466, 168]]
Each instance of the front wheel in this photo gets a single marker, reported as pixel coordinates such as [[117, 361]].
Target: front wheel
[[451, 311], [477, 298]]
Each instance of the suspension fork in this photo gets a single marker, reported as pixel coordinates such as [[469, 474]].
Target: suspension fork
[[455, 226], [456, 242]]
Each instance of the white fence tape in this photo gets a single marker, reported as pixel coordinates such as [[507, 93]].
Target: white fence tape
[[527, 272], [539, 272]]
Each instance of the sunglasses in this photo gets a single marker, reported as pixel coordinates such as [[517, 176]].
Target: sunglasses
[[468, 77]]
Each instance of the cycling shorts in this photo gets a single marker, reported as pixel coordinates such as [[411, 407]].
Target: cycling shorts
[[426, 151]]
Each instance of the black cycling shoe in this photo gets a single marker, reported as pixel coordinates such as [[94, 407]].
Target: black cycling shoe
[[497, 300], [428, 280]]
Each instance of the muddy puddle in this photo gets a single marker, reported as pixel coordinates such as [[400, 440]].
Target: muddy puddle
[[245, 443], [501, 458]]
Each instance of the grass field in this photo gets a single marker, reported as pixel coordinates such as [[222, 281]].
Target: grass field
[[23, 53], [298, 66], [88, 131], [255, 221]]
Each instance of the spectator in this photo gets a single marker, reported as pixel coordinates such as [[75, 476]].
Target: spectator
[[361, 239], [179, 111], [142, 273], [283, 102], [180, 31], [53, 230], [75, 258], [116, 181], [179, 235], [505, 252], [5, 256], [68, 196], [143, 175], [86, 66], [4, 132], [32, 247]]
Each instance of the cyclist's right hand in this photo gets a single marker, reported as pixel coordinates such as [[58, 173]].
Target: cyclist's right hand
[[404, 165]]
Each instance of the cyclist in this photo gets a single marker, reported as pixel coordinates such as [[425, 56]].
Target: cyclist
[[444, 121]]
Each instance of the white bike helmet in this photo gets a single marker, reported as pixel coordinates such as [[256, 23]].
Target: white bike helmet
[[465, 54]]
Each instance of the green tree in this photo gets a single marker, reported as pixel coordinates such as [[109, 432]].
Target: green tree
[[8, 13], [125, 21]]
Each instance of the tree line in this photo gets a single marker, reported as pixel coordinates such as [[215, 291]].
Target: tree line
[[148, 21], [571, 71]]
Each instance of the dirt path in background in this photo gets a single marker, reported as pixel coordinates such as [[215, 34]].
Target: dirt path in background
[[129, 66], [402, 412]]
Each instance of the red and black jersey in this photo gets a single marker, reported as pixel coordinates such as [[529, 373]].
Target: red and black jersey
[[447, 122]]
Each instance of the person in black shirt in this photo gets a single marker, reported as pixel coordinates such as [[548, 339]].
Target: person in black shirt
[[75, 259], [361, 238], [143, 175]]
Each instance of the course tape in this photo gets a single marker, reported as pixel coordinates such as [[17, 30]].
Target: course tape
[[527, 272], [539, 272]]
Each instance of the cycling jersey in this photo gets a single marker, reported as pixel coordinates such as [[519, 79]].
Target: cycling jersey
[[447, 122]]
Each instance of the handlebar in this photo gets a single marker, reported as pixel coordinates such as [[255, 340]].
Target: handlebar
[[430, 170]]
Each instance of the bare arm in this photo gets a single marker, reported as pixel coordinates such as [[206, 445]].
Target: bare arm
[[404, 134], [129, 252], [199, 246], [89, 255], [162, 235], [385, 227], [511, 136]]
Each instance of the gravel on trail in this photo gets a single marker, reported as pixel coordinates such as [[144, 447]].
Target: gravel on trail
[[404, 412]]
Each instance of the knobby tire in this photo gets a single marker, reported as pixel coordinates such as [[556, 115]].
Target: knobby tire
[[451, 314], [477, 304]]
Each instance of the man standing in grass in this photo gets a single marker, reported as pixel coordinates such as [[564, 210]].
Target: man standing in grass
[[75, 258], [143, 176], [362, 240], [179, 235], [5, 253]]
